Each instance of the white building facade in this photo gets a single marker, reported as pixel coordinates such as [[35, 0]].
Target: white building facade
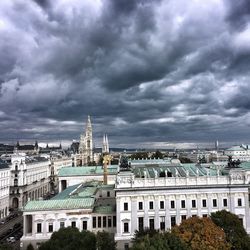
[[4, 189], [29, 179], [162, 202], [94, 212], [241, 152]]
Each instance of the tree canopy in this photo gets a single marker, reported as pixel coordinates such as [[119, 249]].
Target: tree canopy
[[70, 239], [105, 241], [201, 234], [155, 240], [233, 228]]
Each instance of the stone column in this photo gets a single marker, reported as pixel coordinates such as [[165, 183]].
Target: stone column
[[167, 219], [157, 222], [247, 216], [118, 217], [133, 214], [146, 208], [198, 205], [231, 202], [177, 207], [44, 225]]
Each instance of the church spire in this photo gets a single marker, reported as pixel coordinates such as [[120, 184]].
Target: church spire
[[105, 144]]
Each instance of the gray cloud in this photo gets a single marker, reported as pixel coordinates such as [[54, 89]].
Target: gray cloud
[[147, 71]]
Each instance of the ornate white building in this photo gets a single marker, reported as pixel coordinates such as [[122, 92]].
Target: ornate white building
[[29, 179], [241, 152], [86, 146], [160, 197], [89, 206], [147, 194], [4, 189]]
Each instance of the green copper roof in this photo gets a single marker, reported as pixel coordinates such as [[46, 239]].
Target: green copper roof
[[88, 170], [86, 203], [245, 165], [235, 148], [180, 170]]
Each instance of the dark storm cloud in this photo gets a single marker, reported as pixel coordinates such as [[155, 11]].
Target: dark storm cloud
[[147, 71]]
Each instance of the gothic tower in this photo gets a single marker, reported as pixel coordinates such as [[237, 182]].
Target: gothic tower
[[86, 144], [105, 144]]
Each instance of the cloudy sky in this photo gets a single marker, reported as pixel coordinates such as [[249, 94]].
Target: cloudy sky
[[148, 72]]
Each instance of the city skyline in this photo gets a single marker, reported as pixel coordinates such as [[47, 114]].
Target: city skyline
[[147, 72]]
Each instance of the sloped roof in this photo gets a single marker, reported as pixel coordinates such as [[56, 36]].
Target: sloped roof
[[78, 203], [88, 170]]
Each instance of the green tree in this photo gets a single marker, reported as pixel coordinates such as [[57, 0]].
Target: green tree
[[30, 247], [70, 239], [155, 240], [184, 159], [201, 234], [233, 228], [5, 247], [139, 155], [158, 155], [105, 241]]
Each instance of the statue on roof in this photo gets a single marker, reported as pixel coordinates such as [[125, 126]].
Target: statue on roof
[[124, 164]]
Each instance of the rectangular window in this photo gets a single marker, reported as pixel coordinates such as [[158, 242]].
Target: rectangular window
[[140, 205], [114, 221], [50, 227], [183, 217], [109, 221], [173, 221], [61, 224], [214, 203], [94, 222], [239, 202], [104, 221], [183, 204], [162, 223], [151, 224], [204, 203], [125, 227], [193, 203], [38, 227], [125, 206], [241, 221], [126, 246], [108, 194], [151, 205], [99, 221], [140, 223], [225, 202], [204, 215], [161, 204], [84, 225], [172, 204], [73, 224]]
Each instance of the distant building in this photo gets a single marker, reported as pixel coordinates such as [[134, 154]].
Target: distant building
[[241, 152], [29, 179], [4, 189], [85, 152], [105, 144]]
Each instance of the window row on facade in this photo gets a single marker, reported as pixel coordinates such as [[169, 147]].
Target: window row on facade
[[103, 221], [50, 226], [163, 223], [183, 204]]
